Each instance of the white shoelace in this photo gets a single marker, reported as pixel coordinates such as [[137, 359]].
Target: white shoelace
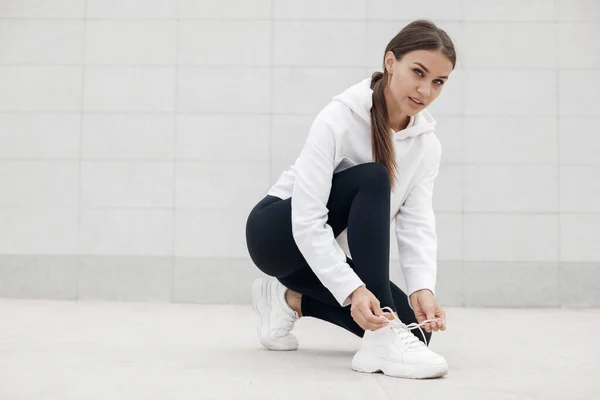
[[400, 328]]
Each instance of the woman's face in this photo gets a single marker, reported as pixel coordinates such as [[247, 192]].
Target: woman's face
[[418, 75]]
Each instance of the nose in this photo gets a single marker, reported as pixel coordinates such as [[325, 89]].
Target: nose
[[424, 89]]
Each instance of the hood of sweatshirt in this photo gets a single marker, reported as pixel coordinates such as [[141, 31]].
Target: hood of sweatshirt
[[359, 99]]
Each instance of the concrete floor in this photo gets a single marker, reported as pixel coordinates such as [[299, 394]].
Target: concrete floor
[[55, 350]]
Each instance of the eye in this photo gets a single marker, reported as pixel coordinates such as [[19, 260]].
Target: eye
[[439, 82], [418, 71]]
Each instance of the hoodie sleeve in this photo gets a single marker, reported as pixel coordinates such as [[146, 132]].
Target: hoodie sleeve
[[416, 231], [313, 236]]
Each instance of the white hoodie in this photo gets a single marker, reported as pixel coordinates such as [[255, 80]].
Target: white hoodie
[[340, 138]]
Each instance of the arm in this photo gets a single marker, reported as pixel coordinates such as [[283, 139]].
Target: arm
[[416, 231], [313, 236]]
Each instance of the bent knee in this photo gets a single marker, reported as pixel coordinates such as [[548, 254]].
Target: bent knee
[[373, 173]]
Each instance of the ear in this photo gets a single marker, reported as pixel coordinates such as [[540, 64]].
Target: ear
[[390, 59]]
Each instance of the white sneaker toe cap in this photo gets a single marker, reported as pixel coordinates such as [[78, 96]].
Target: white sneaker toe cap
[[423, 358]]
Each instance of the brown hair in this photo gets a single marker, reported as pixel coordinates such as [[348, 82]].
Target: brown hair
[[418, 35]]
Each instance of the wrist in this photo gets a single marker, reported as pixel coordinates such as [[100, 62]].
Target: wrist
[[357, 290], [423, 290], [419, 292]]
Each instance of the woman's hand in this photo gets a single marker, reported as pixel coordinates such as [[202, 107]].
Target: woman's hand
[[365, 309], [426, 307]]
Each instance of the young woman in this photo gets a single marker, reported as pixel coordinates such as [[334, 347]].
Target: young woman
[[370, 158]]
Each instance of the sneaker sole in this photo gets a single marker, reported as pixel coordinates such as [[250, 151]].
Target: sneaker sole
[[367, 362], [258, 287]]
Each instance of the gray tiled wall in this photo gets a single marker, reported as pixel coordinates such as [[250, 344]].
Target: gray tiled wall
[[135, 136]]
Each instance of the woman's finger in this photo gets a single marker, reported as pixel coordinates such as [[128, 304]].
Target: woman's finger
[[438, 324], [369, 317], [369, 326], [444, 324], [376, 306], [441, 313]]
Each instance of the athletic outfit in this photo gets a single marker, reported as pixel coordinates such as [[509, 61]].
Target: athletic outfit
[[323, 228]]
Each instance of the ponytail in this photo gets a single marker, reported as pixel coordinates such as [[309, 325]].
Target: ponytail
[[381, 137]]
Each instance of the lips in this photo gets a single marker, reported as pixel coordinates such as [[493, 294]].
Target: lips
[[416, 101]]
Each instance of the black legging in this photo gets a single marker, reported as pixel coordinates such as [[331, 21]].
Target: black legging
[[360, 201]]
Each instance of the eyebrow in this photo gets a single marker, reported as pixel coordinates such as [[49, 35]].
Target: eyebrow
[[426, 70]]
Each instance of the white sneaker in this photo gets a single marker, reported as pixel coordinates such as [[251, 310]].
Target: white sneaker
[[275, 318], [396, 351]]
